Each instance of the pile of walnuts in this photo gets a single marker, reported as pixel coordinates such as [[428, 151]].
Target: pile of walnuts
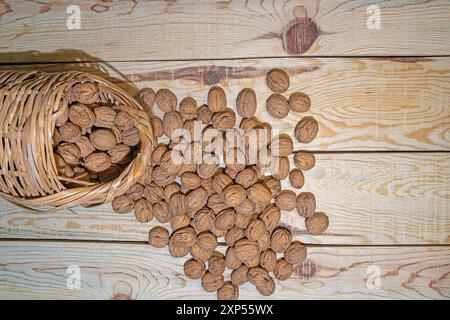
[[93, 141], [238, 202]]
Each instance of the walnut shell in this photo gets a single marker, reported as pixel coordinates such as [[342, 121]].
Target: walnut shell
[[274, 185], [228, 292], [188, 108], [225, 219], [277, 80], [264, 241], [220, 181], [161, 177], [170, 189], [104, 117], [317, 223], [306, 204], [81, 116], [158, 153], [207, 241], [146, 97], [242, 220], [184, 237], [233, 195], [286, 200], [281, 145], [157, 126], [306, 129], [85, 93], [216, 263], [211, 282], [70, 132], [299, 102], [171, 122], [296, 253], [177, 203], [123, 121], [246, 249], [178, 251], [194, 269], [246, 103], [103, 139], [224, 120], [97, 162], [86, 147], [204, 114], [70, 153], [217, 100], [277, 106], [246, 208], [135, 192], [130, 137], [161, 212], [166, 100], [231, 261], [216, 203], [153, 193], [259, 194], [122, 204], [120, 154], [255, 229], [179, 221], [304, 160], [249, 123], [283, 269], [199, 253], [281, 239], [195, 200], [296, 178], [203, 220], [239, 275], [143, 211], [190, 181], [234, 234], [262, 280], [246, 177], [206, 170], [281, 168], [268, 259]]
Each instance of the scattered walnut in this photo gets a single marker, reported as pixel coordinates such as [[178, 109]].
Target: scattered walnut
[[157, 126], [223, 120], [188, 108], [281, 239], [306, 204], [296, 253], [239, 275], [231, 261], [286, 200], [217, 100], [161, 212], [259, 194], [122, 204], [143, 211], [158, 237], [211, 282], [225, 219], [283, 269], [317, 223], [268, 259], [299, 102], [277, 106], [234, 234], [233, 195], [204, 114], [216, 263], [296, 178], [304, 160], [166, 100], [228, 292], [277, 80], [194, 269], [179, 221], [281, 145], [255, 229], [86, 147], [246, 249], [306, 129], [146, 97], [246, 103]]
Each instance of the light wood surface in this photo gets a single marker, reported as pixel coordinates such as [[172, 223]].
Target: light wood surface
[[360, 104], [38, 270], [144, 30], [372, 199]]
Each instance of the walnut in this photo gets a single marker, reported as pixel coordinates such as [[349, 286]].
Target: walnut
[[206, 170], [158, 237], [242, 220], [233, 195], [264, 241], [246, 249], [171, 161], [220, 181], [161, 212], [158, 152], [188, 108], [136, 191], [86, 147], [143, 211], [195, 200], [217, 100], [190, 181], [184, 237], [82, 116], [277, 80], [70, 132], [216, 263], [171, 122], [211, 282], [296, 253], [283, 269], [216, 203], [104, 117], [317, 223], [228, 292], [225, 219], [251, 263], [268, 259], [249, 123], [234, 234], [166, 100], [246, 103], [262, 280], [286, 200], [218, 232], [274, 185], [255, 229], [85, 93], [259, 194], [109, 174], [64, 115], [224, 120], [239, 275], [70, 153], [123, 121], [97, 162], [207, 184], [122, 204], [170, 189], [246, 208], [296, 178], [179, 221], [153, 193], [299, 102], [304, 160], [103, 139], [207, 241], [146, 97], [204, 114], [281, 145], [161, 177], [157, 126], [199, 253], [203, 220], [120, 154], [177, 203], [194, 269], [281, 168], [246, 177], [178, 251], [306, 129], [231, 261], [306, 204], [281, 239], [277, 106], [130, 137]]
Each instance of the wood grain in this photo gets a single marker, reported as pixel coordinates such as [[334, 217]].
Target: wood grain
[[382, 199], [36, 31], [360, 104], [38, 270]]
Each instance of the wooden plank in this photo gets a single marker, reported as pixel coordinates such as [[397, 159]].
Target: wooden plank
[[38, 270], [360, 104], [381, 199], [129, 30]]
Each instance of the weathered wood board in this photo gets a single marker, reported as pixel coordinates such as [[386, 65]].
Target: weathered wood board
[[39, 270], [372, 199], [130, 30], [361, 104]]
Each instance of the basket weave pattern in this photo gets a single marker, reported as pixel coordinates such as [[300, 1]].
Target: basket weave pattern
[[30, 103]]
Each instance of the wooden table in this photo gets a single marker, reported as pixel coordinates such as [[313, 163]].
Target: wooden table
[[381, 97]]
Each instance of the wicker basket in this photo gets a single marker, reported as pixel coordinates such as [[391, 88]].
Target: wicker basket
[[30, 102]]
